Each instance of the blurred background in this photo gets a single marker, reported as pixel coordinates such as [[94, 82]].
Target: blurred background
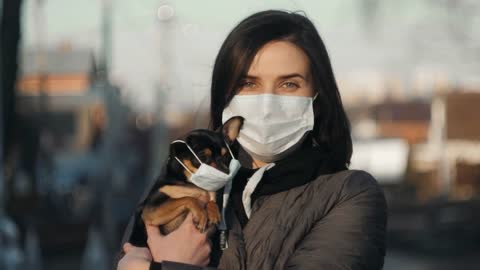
[[93, 91]]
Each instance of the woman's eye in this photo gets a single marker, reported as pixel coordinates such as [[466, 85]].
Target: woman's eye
[[290, 85], [248, 85]]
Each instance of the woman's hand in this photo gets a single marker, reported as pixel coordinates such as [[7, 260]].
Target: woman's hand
[[135, 258], [185, 245]]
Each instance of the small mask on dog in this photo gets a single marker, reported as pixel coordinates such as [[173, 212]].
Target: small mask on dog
[[208, 177]]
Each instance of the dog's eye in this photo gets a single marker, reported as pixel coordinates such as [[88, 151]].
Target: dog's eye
[[204, 155], [201, 155]]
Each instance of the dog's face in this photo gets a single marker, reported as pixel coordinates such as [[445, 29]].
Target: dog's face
[[209, 146]]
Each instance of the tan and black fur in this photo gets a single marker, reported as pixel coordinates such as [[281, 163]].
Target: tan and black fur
[[174, 197]]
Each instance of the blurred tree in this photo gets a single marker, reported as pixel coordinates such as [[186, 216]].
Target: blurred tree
[[10, 36]]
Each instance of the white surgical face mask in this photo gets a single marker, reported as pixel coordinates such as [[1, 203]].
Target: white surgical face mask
[[273, 123], [208, 177]]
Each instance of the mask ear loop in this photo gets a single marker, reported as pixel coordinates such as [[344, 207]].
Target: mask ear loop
[[229, 150], [191, 150], [183, 165]]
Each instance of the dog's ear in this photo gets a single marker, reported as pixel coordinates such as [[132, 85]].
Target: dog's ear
[[231, 128]]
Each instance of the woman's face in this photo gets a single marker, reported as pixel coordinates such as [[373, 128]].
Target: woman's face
[[279, 68]]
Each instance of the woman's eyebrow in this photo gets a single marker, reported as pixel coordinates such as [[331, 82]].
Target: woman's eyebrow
[[250, 77], [283, 77], [289, 76]]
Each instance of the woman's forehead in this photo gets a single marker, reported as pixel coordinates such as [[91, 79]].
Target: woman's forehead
[[279, 58]]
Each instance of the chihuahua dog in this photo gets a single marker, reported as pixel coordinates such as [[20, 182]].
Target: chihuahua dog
[[175, 196]]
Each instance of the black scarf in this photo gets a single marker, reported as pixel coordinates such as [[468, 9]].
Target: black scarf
[[298, 168]]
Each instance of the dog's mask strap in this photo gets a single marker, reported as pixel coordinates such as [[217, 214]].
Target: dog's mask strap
[[183, 165], [229, 149], [189, 148]]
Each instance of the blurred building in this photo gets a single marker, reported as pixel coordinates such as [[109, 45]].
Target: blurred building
[[62, 71], [435, 144], [55, 87], [449, 163], [408, 120]]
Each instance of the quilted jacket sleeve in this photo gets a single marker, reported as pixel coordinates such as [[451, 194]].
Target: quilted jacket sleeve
[[176, 266], [352, 234]]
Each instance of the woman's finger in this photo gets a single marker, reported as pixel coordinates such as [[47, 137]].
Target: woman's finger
[[153, 231], [127, 247], [205, 262], [140, 252], [188, 222], [136, 258]]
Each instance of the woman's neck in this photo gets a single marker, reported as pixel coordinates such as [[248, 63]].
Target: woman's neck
[[248, 160], [257, 163]]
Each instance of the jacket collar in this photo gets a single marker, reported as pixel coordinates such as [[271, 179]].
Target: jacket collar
[[298, 168]]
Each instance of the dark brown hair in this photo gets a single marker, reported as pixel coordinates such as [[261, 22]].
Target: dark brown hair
[[332, 128]]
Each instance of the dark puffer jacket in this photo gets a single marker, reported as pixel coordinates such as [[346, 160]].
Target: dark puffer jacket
[[336, 221], [305, 214]]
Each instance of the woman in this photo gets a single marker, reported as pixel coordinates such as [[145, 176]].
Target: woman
[[294, 204]]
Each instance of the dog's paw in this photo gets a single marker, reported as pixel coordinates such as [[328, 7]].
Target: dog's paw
[[200, 219], [213, 213]]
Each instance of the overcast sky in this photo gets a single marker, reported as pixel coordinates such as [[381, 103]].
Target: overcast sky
[[397, 38]]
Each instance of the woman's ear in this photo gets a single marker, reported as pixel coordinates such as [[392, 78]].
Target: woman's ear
[[231, 128]]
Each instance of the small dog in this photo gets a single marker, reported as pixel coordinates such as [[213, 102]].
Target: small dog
[[175, 196]]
